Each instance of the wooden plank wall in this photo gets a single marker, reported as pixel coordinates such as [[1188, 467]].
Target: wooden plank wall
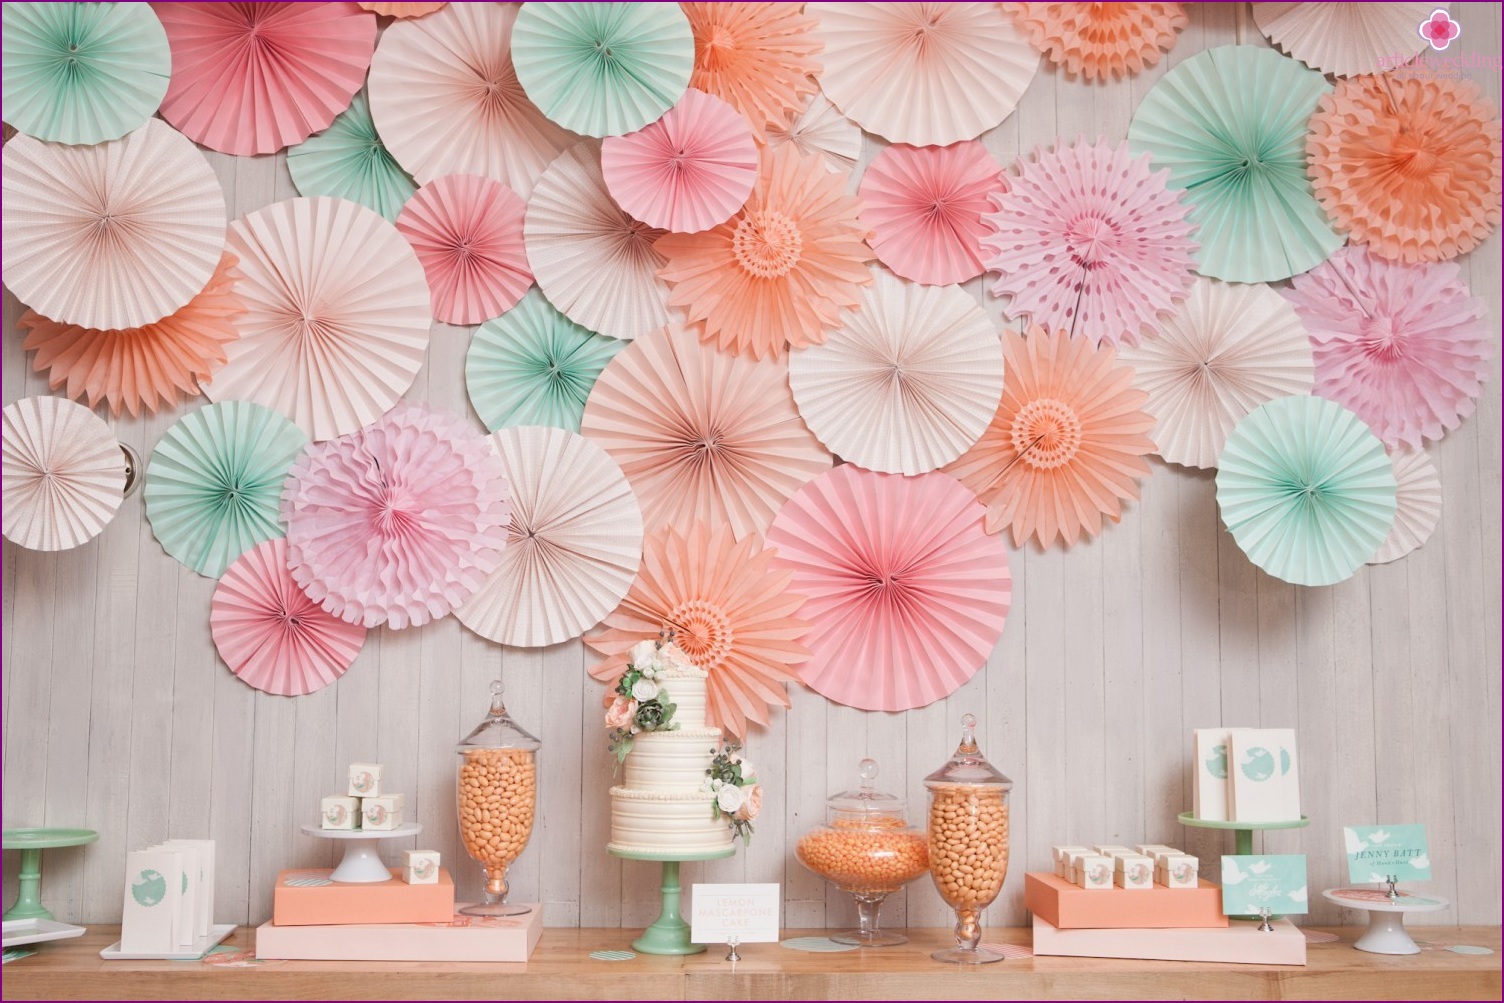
[[118, 716]]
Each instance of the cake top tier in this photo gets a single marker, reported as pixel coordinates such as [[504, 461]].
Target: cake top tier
[[668, 661]]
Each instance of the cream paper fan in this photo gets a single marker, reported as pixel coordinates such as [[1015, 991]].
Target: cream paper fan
[[63, 473], [1345, 39], [820, 130], [1417, 504]]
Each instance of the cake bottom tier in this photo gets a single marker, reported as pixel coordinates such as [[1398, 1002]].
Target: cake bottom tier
[[657, 822]]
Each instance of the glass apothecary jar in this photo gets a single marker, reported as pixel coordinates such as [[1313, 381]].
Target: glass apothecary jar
[[498, 796]]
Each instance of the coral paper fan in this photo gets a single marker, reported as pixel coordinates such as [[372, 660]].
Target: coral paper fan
[[821, 131], [1410, 167], [687, 171], [349, 161], [398, 522], [140, 368], [731, 612], [925, 205], [1098, 40], [1417, 504], [1088, 238], [779, 272], [273, 636], [758, 57], [1406, 347], [1067, 444], [906, 593], [1346, 38], [401, 10], [467, 232], [702, 434], [255, 77], [62, 472]]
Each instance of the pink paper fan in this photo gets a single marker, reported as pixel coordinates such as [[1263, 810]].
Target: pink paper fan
[[925, 206], [467, 232], [398, 522], [687, 171], [271, 634]]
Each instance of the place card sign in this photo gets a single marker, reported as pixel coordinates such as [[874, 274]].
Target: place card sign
[[734, 914], [1264, 883], [1381, 852]]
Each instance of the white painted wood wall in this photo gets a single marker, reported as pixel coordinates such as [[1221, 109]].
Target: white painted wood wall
[[119, 716]]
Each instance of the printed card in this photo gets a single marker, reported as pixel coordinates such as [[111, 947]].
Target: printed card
[[1380, 852], [1257, 883]]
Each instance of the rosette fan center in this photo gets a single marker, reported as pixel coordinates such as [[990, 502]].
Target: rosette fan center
[[1091, 239], [1381, 341], [1046, 433], [703, 631], [767, 244]]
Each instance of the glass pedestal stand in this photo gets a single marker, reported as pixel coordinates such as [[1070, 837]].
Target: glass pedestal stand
[[1386, 932], [1242, 835], [31, 843], [669, 934]]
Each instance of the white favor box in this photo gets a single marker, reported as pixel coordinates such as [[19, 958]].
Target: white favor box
[[365, 780], [153, 890], [1092, 871], [1256, 783], [1108, 849], [421, 867], [1062, 855], [381, 813], [1209, 768], [1133, 871], [339, 811], [1177, 870], [1151, 849]]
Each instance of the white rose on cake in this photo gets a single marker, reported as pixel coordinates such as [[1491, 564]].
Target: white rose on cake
[[643, 653], [644, 690], [730, 798]]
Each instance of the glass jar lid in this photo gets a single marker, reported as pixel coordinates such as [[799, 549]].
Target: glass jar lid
[[968, 765], [498, 730], [866, 801]]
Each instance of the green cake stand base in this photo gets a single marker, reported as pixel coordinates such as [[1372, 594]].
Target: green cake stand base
[[31, 843], [669, 934]]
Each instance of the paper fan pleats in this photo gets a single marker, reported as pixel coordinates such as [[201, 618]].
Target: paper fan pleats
[[82, 72], [215, 480], [1240, 161], [1409, 166], [907, 383], [401, 10], [758, 57], [820, 131], [778, 273], [271, 634], [906, 594], [534, 366], [702, 434], [63, 473], [253, 78], [1100, 40], [1346, 38], [925, 208], [1226, 350], [1306, 490], [1405, 347], [1067, 444], [337, 315], [1417, 504], [467, 233], [594, 262], [927, 74], [687, 171], [573, 544], [140, 369], [349, 161], [398, 522], [731, 612], [603, 69], [110, 236]]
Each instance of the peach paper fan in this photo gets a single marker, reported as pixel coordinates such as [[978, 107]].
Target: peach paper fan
[[1101, 40], [467, 233], [1345, 39], [757, 57]]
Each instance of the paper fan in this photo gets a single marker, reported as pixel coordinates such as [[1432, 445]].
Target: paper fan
[[702, 434], [927, 74], [731, 612], [573, 545], [1306, 490], [63, 473], [401, 10], [140, 368], [1410, 167], [1417, 504], [594, 262], [534, 366], [820, 131], [1101, 40], [214, 480], [778, 273], [687, 171], [398, 522], [82, 72], [446, 100], [603, 69], [925, 208], [1405, 347], [1346, 38], [347, 160], [467, 233], [757, 57], [337, 315], [1225, 351], [110, 236], [1067, 444], [1241, 162], [905, 593], [255, 77], [907, 383], [273, 636]]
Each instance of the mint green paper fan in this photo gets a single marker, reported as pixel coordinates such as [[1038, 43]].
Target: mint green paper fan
[[214, 483], [349, 161], [82, 72], [1230, 124], [534, 366], [603, 69], [1306, 490]]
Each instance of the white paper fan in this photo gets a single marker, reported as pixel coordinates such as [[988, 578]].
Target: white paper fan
[[63, 473], [1417, 504], [1345, 39], [820, 130]]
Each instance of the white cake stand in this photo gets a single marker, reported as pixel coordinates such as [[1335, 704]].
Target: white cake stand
[[361, 863], [1386, 932]]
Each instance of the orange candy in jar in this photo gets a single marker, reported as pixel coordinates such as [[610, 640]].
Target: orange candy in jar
[[498, 797]]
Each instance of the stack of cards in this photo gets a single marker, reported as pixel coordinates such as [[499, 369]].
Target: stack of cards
[[1246, 775], [169, 897]]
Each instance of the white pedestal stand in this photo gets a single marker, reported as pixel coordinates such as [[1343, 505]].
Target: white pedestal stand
[[361, 863], [1386, 932]]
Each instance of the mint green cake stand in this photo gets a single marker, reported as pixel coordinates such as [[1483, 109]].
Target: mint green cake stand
[[31, 843], [669, 934], [1242, 831]]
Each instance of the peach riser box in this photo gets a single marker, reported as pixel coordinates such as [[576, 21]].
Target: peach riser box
[[1240, 942], [307, 897], [463, 938], [1068, 907]]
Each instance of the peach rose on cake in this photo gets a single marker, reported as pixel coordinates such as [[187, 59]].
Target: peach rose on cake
[[620, 712], [751, 803]]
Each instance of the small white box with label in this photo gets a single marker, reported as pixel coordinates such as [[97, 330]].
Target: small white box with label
[[1133, 871], [339, 812], [1092, 870], [1108, 849], [365, 780], [1062, 856], [421, 867], [1176, 870], [381, 813]]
